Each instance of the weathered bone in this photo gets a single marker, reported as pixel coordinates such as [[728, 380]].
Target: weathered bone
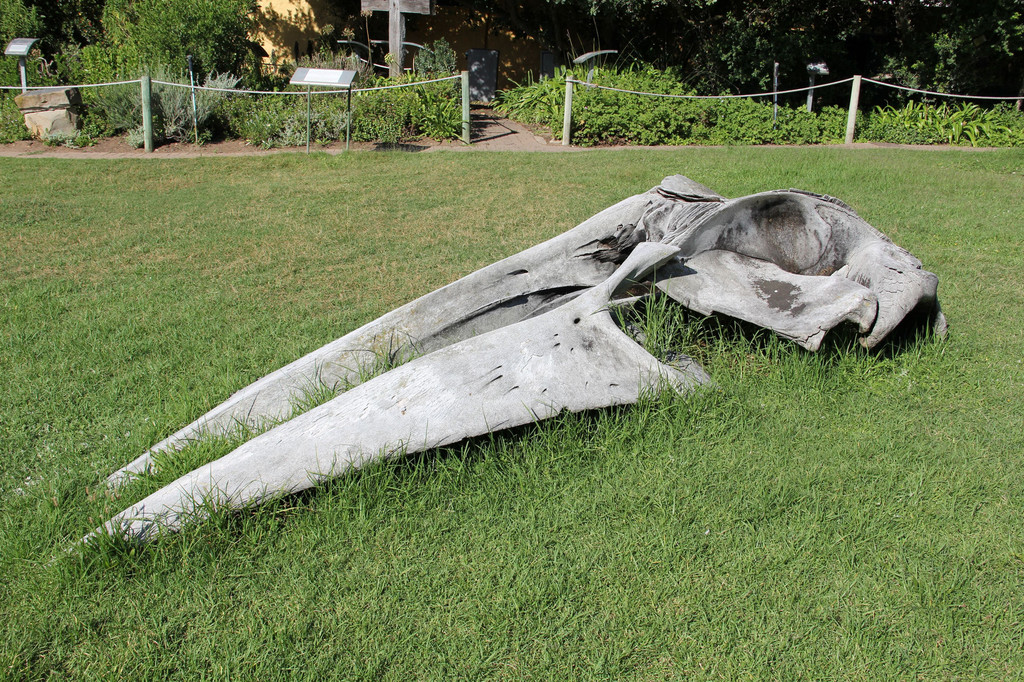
[[801, 308], [773, 259], [795, 262], [572, 358]]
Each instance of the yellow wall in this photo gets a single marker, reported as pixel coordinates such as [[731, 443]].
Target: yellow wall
[[282, 23], [466, 30]]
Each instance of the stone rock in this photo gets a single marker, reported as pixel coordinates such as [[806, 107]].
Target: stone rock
[[52, 111], [43, 100], [43, 124]]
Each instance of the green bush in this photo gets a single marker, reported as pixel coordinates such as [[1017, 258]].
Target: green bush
[[387, 116], [609, 117], [436, 61], [163, 32], [12, 122], [964, 124], [16, 21], [119, 107]]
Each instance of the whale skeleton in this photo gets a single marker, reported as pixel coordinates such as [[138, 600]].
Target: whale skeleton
[[534, 334]]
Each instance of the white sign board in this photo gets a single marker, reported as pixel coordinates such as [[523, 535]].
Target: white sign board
[[336, 78], [20, 46]]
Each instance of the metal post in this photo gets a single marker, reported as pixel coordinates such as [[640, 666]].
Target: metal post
[[465, 107], [308, 115], [567, 117], [851, 117], [147, 112], [348, 118], [775, 94], [21, 70], [195, 115], [810, 95]]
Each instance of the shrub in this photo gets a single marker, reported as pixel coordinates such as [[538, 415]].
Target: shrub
[[12, 122], [120, 106], [436, 61], [964, 124], [152, 32], [172, 106], [387, 116], [610, 117]]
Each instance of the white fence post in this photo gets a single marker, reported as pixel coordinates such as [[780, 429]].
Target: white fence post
[[567, 117], [851, 116]]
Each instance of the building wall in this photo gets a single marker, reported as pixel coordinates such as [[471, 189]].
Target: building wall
[[287, 27]]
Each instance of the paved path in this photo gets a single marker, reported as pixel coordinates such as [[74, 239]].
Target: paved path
[[490, 132]]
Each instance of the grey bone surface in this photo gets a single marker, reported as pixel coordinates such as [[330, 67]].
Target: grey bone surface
[[816, 237], [572, 358], [502, 293], [796, 307], [810, 240]]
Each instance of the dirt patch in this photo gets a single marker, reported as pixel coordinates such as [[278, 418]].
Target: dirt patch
[[489, 132]]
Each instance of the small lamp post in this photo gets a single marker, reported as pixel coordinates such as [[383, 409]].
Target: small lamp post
[[20, 47], [814, 70]]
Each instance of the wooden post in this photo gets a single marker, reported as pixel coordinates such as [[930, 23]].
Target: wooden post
[[147, 112], [397, 9], [567, 117], [348, 118], [396, 34], [465, 107], [851, 116]]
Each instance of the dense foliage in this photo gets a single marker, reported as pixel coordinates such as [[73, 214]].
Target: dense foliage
[[966, 124], [609, 117], [972, 47], [389, 117]]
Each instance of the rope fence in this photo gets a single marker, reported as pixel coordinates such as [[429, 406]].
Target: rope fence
[[758, 94], [851, 112], [354, 91], [53, 87], [942, 94], [146, 84]]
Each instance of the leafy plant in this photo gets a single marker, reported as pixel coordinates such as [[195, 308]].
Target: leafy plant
[[963, 124], [120, 106], [12, 122], [534, 101], [612, 117], [387, 116], [436, 60], [438, 115]]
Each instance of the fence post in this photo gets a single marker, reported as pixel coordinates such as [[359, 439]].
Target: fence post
[[851, 116], [567, 118], [147, 112], [465, 107]]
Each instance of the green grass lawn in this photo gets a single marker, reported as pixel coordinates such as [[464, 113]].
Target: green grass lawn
[[840, 515]]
